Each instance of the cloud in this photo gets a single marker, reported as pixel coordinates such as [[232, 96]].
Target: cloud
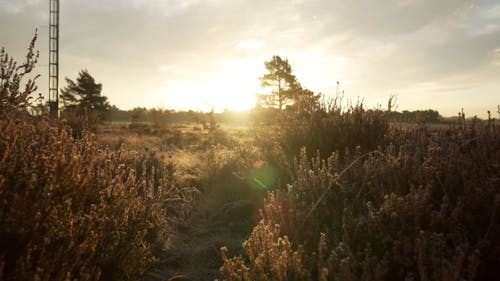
[[374, 48], [249, 45], [17, 7]]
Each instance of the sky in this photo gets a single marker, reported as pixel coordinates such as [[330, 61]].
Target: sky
[[195, 54]]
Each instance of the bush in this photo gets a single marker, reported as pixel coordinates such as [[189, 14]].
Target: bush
[[326, 127], [333, 127], [422, 208], [12, 95], [71, 210], [79, 125]]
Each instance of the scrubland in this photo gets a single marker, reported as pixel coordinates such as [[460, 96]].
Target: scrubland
[[328, 192], [350, 198]]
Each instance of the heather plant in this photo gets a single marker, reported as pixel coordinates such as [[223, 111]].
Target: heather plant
[[423, 207], [270, 257], [13, 96], [326, 127], [81, 124], [74, 209], [331, 126]]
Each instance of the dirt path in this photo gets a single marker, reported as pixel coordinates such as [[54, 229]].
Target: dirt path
[[223, 217]]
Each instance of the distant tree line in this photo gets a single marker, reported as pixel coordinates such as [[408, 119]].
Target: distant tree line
[[160, 117], [83, 97], [427, 116]]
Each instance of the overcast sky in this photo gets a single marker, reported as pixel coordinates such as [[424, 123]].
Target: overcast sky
[[440, 54]]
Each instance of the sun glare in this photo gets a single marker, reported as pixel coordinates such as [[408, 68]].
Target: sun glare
[[231, 85]]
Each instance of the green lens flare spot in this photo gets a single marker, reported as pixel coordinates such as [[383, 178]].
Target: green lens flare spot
[[262, 177]]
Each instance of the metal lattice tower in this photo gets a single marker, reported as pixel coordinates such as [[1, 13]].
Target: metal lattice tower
[[54, 58]]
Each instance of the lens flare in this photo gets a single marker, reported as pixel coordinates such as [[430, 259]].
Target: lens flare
[[262, 176]]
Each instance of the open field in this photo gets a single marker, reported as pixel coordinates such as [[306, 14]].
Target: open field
[[252, 204], [298, 189]]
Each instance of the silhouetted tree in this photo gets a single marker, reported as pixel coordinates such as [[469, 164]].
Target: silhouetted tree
[[283, 83], [84, 96]]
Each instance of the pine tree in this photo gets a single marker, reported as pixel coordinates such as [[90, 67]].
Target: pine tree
[[283, 83], [84, 96]]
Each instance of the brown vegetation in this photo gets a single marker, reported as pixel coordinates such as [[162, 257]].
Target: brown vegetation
[[421, 206], [73, 209], [342, 193]]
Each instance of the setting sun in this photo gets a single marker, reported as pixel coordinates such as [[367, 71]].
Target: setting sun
[[234, 87], [231, 85]]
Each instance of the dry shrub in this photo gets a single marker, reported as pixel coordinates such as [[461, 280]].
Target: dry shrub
[[70, 210], [333, 126], [270, 257], [13, 96], [422, 208], [81, 124], [328, 127]]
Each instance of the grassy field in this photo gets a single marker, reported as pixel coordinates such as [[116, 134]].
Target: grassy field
[[225, 207]]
